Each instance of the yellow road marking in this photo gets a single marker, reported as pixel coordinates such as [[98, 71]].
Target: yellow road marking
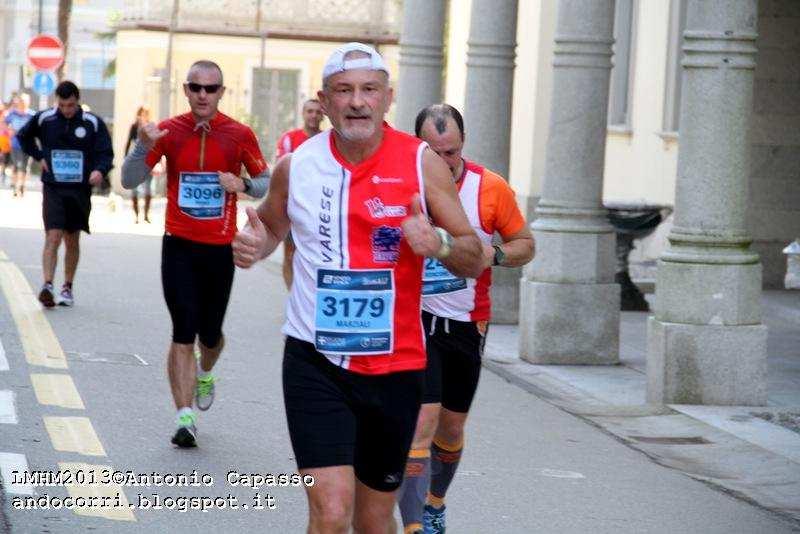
[[116, 504], [56, 390], [74, 434], [69, 434], [40, 343]]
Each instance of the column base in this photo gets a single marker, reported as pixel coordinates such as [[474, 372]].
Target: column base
[[505, 295], [569, 324], [700, 294], [706, 364]]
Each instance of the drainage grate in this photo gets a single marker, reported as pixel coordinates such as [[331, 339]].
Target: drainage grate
[[664, 440], [119, 358]]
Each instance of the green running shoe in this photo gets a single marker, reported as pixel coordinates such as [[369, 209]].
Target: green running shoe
[[204, 392]]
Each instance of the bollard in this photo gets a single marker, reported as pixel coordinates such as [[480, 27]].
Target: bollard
[[792, 280]]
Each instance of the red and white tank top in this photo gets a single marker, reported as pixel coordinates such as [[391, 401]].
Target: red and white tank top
[[446, 295], [357, 284]]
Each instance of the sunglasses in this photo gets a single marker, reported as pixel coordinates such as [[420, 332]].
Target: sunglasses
[[210, 89]]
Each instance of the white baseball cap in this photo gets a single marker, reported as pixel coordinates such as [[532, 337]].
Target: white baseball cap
[[336, 62]]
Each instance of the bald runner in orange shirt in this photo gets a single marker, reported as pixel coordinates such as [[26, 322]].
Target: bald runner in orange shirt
[[455, 315]]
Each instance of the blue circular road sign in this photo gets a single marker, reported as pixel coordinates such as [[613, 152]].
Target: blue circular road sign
[[44, 82]]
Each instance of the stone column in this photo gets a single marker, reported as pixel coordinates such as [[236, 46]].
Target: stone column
[[487, 116], [706, 343], [569, 310], [420, 82]]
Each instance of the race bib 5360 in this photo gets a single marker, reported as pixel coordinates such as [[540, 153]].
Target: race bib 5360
[[67, 165]]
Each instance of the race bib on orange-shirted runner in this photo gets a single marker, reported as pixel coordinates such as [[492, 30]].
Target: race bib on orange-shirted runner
[[436, 279]]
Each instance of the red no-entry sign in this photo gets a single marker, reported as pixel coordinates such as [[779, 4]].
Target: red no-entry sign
[[45, 52]]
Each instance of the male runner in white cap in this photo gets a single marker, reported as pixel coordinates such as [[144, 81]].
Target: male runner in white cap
[[357, 199]]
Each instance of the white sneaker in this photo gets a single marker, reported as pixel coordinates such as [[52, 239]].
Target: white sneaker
[[65, 297]]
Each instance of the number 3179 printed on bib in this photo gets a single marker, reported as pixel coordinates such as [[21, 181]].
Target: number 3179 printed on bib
[[355, 311]]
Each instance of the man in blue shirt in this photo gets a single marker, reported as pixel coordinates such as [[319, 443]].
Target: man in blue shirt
[[16, 119]]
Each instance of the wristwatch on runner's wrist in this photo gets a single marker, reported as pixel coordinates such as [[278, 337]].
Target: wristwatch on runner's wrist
[[447, 243], [246, 182], [499, 255]]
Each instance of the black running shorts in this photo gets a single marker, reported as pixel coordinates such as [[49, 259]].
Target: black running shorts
[[66, 208], [455, 349], [197, 280], [338, 417]]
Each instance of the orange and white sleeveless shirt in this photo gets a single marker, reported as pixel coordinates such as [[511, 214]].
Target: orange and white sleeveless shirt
[[357, 286], [491, 206]]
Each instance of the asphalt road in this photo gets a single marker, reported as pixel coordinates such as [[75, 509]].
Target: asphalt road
[[528, 466]]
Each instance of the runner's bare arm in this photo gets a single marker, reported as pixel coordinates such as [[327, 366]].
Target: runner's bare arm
[[465, 257], [518, 249], [268, 225]]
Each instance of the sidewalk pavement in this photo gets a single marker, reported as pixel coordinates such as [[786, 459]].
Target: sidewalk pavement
[[750, 452]]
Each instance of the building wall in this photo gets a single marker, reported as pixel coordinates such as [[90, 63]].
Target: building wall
[[458, 17], [774, 193], [141, 54], [533, 81], [641, 162], [20, 23], [532, 86], [642, 158]]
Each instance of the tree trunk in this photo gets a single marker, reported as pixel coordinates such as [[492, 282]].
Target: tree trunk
[[64, 12]]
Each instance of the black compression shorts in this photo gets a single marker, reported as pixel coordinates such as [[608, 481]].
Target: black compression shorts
[[455, 349], [66, 208], [337, 417], [197, 280]]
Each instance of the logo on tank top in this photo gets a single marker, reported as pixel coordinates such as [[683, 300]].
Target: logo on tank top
[[386, 244], [325, 216], [379, 180], [378, 210]]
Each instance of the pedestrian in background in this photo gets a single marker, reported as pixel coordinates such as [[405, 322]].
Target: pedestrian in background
[[145, 188], [16, 119], [5, 143]]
